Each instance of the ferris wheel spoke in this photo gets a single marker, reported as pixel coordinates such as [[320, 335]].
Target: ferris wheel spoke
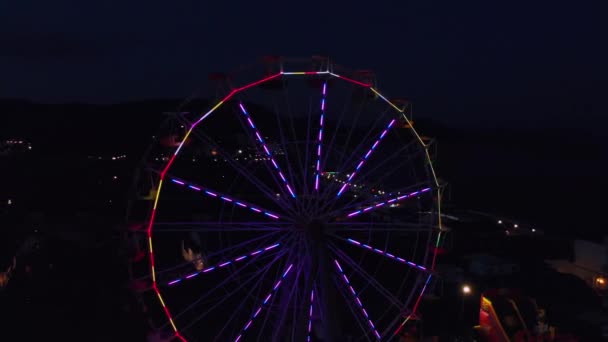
[[356, 298], [365, 175], [223, 197], [356, 203], [264, 303], [283, 313], [375, 183], [369, 178], [345, 158], [312, 302], [365, 157], [328, 191], [262, 242], [255, 275], [258, 277], [380, 204], [241, 307], [262, 143], [386, 254], [244, 172], [291, 173], [404, 227], [320, 137], [352, 306], [368, 278], [225, 263], [273, 169], [395, 160], [197, 226]]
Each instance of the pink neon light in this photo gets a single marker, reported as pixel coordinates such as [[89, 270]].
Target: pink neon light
[[320, 138], [352, 175], [352, 291], [223, 197], [378, 205], [261, 141], [389, 255], [222, 264], [312, 298], [274, 290]]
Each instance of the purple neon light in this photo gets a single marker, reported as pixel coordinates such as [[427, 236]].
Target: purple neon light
[[226, 198], [320, 138], [312, 298], [223, 264], [362, 161], [257, 312], [386, 254], [357, 300], [378, 205], [261, 141]]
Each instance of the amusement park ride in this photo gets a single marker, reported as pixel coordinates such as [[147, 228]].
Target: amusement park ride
[[324, 224]]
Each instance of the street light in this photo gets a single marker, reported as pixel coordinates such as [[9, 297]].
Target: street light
[[466, 291]]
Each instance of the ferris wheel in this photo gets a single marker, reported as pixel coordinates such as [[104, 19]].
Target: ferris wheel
[[300, 206]]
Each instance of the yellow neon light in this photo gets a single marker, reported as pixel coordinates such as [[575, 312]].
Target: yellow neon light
[[161, 299], [217, 105], [173, 324], [386, 100], [160, 185], [150, 244], [153, 274]]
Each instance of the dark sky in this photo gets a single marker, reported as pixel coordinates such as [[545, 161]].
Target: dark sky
[[490, 61]]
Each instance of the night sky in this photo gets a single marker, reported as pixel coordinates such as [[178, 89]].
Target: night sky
[[525, 65], [456, 59]]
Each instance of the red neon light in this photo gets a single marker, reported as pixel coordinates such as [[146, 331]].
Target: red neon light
[[354, 81], [259, 82], [234, 91], [162, 174], [149, 231]]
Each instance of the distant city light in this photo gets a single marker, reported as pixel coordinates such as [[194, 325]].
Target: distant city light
[[115, 177], [466, 289], [10, 201], [515, 226], [499, 221], [533, 230]]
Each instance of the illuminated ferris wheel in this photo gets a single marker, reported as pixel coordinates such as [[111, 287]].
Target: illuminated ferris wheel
[[300, 206]]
